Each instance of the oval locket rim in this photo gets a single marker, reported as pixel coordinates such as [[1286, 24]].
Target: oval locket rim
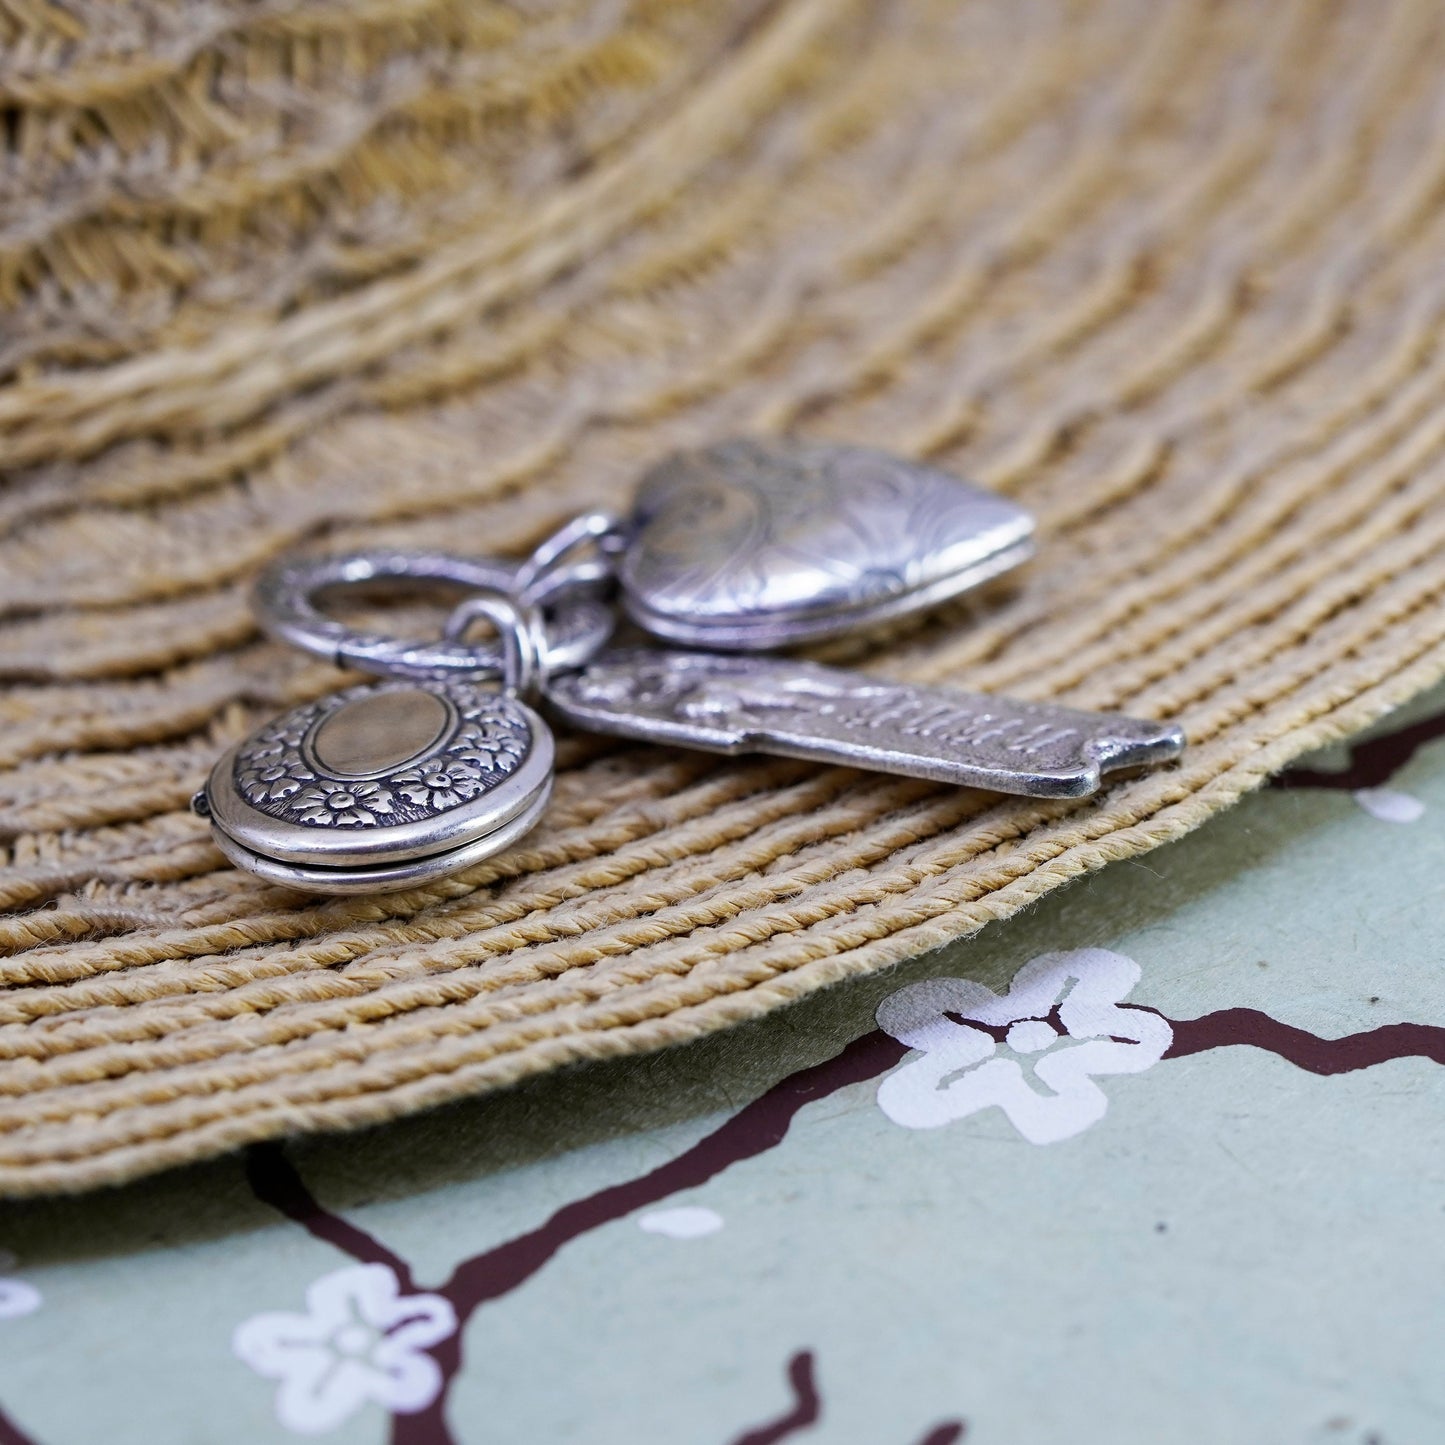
[[311, 755], [387, 877]]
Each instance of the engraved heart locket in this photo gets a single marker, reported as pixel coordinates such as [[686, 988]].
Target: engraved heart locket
[[754, 545]]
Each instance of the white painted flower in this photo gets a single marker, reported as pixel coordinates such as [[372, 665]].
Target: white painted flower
[[17, 1298], [360, 1340], [1061, 1017], [686, 1221], [1390, 805]]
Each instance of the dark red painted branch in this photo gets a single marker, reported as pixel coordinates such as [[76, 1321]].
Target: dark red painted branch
[[1372, 763], [12, 1434], [806, 1410], [274, 1181], [1251, 1028], [754, 1130], [949, 1432]]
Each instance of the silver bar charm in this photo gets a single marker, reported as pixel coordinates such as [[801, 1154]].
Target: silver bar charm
[[742, 704]]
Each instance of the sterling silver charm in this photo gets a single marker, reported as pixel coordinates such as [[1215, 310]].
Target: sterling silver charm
[[800, 710], [754, 545], [383, 786], [742, 547]]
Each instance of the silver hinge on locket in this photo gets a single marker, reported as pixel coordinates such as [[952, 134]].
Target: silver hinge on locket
[[742, 547]]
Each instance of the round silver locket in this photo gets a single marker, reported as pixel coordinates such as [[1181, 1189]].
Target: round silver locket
[[394, 783], [382, 786]]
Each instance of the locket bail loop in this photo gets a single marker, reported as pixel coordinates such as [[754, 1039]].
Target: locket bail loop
[[522, 635]]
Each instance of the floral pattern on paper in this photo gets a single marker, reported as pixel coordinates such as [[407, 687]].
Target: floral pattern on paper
[[1390, 805], [1034, 1052], [360, 1341]]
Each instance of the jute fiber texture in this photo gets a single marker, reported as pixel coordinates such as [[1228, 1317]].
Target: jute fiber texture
[[442, 274]]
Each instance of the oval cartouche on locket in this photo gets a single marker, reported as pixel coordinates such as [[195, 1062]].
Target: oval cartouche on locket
[[381, 787], [750, 544]]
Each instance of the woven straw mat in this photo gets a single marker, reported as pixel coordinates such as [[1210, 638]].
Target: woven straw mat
[[441, 274]]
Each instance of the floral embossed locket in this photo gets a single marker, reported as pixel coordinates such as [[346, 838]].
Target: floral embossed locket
[[384, 786]]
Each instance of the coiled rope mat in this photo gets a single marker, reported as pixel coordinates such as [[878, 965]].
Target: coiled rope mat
[[438, 274]]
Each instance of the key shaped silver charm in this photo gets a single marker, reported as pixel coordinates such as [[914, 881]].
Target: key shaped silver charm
[[732, 704]]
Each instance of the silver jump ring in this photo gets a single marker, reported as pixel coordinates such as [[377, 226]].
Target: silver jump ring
[[575, 620], [520, 630]]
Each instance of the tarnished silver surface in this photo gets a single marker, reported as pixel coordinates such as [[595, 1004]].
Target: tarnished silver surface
[[577, 617], [381, 786], [751, 544], [733, 704]]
